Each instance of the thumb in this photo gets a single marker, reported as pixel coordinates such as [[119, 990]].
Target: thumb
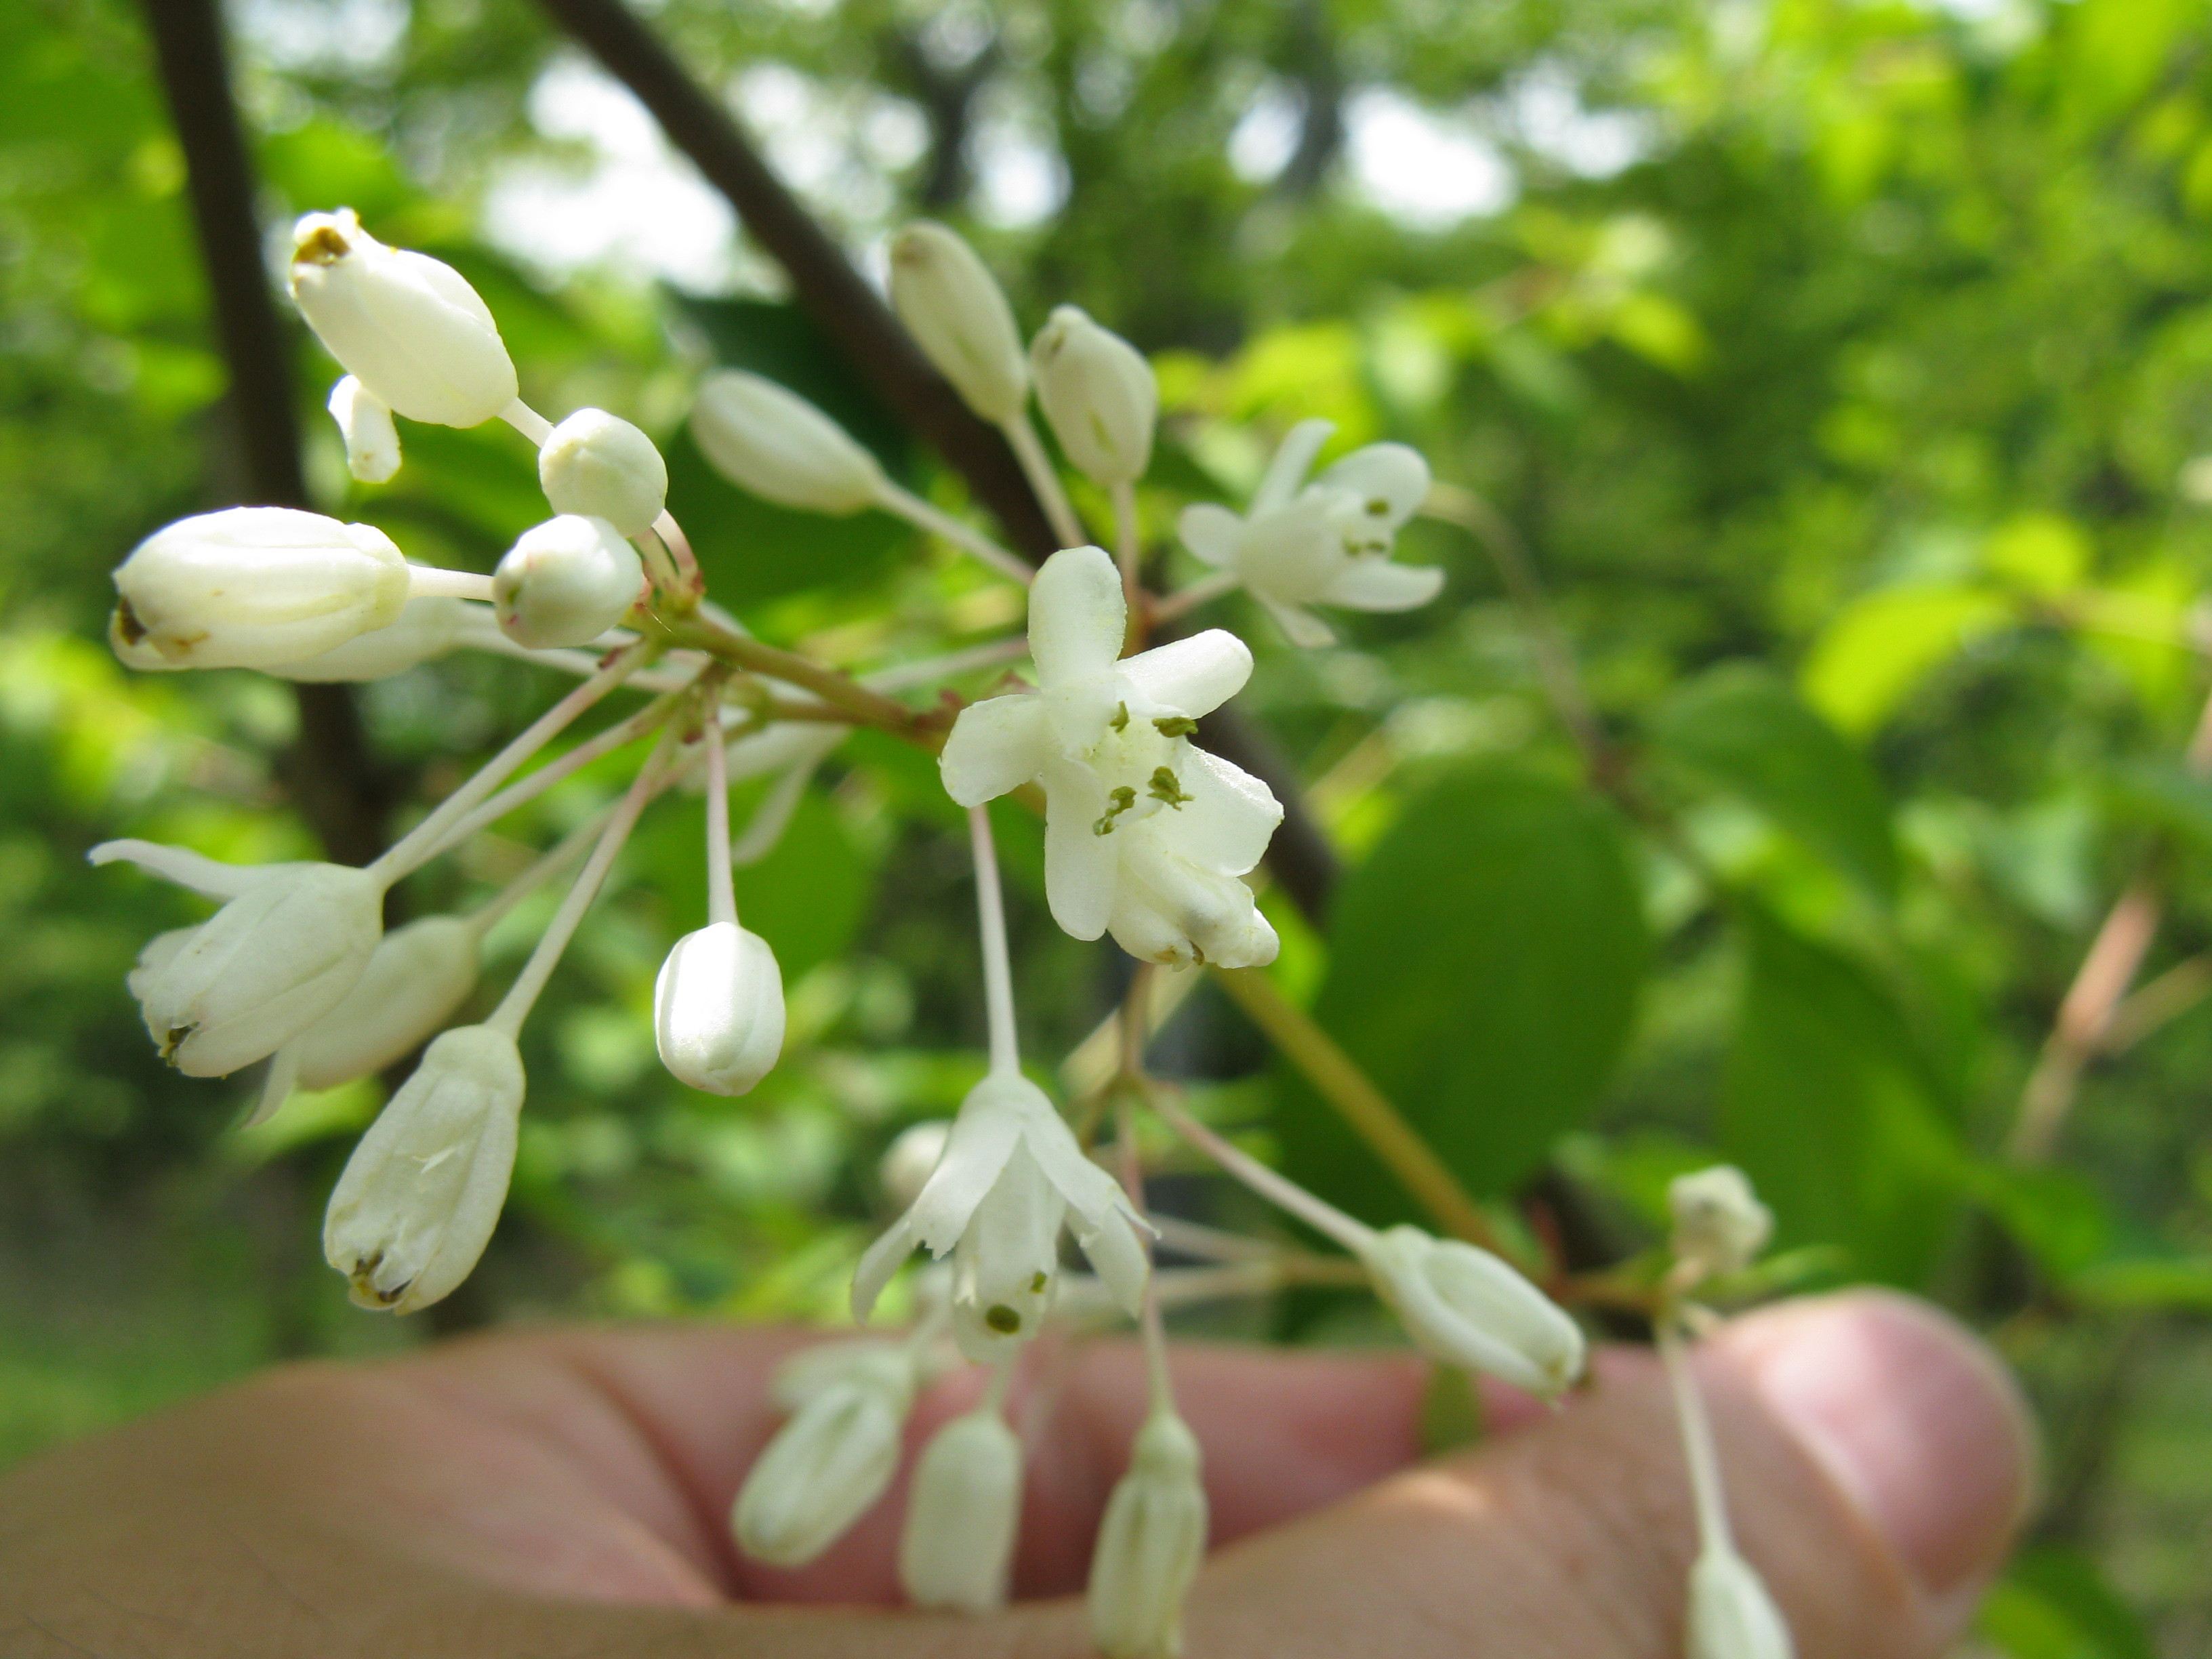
[[1877, 1461]]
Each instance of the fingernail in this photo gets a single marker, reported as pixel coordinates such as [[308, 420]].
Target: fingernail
[[1915, 1419]]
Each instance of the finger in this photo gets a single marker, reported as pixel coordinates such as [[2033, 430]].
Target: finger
[[1877, 1462]]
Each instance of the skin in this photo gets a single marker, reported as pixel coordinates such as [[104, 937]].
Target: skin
[[562, 1494]]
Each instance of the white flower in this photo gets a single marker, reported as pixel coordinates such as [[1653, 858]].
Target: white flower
[[1150, 1545], [1098, 392], [1010, 1175], [602, 467], [1732, 1616], [827, 1465], [408, 327], [372, 441], [565, 582], [959, 315], [1719, 1223], [274, 960], [1465, 1307], [718, 1009], [773, 442], [1145, 834], [1326, 543], [422, 1191], [414, 979], [429, 628], [252, 587], [956, 1545]]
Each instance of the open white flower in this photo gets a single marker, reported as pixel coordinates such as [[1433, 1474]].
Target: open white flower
[[1011, 1175], [1145, 835], [1324, 543]]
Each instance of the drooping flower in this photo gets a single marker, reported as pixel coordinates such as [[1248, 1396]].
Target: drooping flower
[[1011, 1177], [718, 1009], [597, 465], [1145, 835], [828, 1464], [1719, 1223], [956, 1543], [1467, 1306], [408, 327], [424, 1189], [1149, 1544], [1324, 543]]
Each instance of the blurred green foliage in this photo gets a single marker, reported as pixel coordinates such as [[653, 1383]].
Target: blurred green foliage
[[1853, 399]]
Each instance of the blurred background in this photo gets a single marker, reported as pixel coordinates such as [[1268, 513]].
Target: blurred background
[[1842, 370]]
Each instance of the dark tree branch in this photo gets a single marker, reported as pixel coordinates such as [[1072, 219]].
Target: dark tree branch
[[947, 97], [329, 770], [854, 316]]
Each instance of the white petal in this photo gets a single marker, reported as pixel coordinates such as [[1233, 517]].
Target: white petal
[[983, 1137], [1228, 819], [1076, 617], [1121, 1261], [995, 746], [1292, 461], [878, 1262], [1210, 532], [1078, 862], [277, 1086], [1375, 584], [184, 867], [1390, 475], [1304, 628], [1193, 675], [1294, 554]]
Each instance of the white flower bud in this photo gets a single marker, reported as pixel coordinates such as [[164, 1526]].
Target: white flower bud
[[264, 967], [417, 977], [718, 1009], [254, 586], [603, 467], [365, 421], [422, 1191], [908, 1161], [1719, 1223], [959, 315], [429, 628], [826, 1466], [565, 582], [407, 326], [1150, 1545], [1465, 1307], [1099, 394], [1732, 1616], [775, 444], [957, 1546], [799, 1376]]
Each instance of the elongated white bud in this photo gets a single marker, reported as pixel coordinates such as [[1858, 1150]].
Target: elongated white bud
[[718, 1009], [252, 587], [1467, 1306], [408, 327], [364, 419], [1719, 1222], [957, 1546], [772, 441], [429, 628], [422, 1191], [1732, 1616], [1150, 1545], [959, 315], [264, 967], [565, 582], [601, 466], [827, 1465], [415, 978], [1099, 394]]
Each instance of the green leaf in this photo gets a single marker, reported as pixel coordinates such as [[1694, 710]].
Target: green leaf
[[1483, 964], [1829, 1108], [2174, 1282], [2053, 1603], [1743, 729], [1882, 645]]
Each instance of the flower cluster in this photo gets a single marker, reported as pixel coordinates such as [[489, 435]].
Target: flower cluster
[[1147, 836]]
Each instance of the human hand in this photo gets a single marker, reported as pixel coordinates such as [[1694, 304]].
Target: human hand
[[566, 1492]]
